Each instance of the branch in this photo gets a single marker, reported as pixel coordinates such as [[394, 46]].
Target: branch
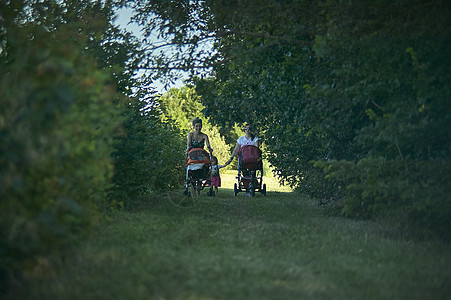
[[291, 39], [191, 66], [170, 44]]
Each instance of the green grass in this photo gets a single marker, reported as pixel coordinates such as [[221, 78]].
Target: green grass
[[228, 178], [281, 246]]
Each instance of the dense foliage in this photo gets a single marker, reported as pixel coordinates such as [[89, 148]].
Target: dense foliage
[[69, 129], [351, 99], [148, 156], [180, 106], [360, 88], [57, 116]]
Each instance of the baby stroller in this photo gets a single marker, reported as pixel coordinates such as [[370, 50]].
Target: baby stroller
[[250, 171], [198, 174]]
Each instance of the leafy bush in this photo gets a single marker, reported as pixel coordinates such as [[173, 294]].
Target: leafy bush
[[56, 121], [148, 156], [180, 106], [416, 189]]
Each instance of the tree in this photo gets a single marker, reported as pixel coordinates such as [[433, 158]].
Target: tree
[[362, 89], [180, 106], [148, 156], [62, 89]]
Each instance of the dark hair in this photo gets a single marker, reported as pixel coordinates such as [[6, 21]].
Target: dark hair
[[250, 128], [197, 120], [214, 158]]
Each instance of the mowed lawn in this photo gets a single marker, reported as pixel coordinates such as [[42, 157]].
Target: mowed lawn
[[282, 246]]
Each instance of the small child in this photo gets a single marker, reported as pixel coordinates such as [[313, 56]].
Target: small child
[[215, 177]]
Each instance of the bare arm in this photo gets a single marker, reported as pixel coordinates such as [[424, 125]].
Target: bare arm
[[224, 165], [188, 142], [207, 141], [235, 151], [237, 147]]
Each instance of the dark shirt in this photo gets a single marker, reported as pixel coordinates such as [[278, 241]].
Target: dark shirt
[[196, 144]]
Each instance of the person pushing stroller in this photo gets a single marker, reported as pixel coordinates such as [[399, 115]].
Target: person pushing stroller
[[248, 139], [196, 138], [198, 160], [250, 166]]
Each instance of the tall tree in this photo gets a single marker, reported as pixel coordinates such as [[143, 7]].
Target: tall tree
[[66, 71], [360, 88], [180, 106], [148, 156]]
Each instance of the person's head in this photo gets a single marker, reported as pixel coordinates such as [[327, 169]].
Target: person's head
[[197, 124], [248, 131], [214, 160]]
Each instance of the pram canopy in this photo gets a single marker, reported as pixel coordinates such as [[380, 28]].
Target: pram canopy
[[198, 156], [250, 157]]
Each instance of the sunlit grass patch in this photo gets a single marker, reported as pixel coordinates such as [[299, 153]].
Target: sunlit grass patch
[[228, 178]]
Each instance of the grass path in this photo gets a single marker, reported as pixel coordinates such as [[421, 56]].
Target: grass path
[[281, 246]]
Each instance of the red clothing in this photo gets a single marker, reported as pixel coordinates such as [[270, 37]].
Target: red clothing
[[216, 181]]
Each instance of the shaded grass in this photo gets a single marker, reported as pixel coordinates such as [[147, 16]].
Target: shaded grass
[[277, 247]]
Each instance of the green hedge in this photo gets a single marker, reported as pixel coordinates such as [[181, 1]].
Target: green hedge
[[56, 125], [416, 192], [148, 157]]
